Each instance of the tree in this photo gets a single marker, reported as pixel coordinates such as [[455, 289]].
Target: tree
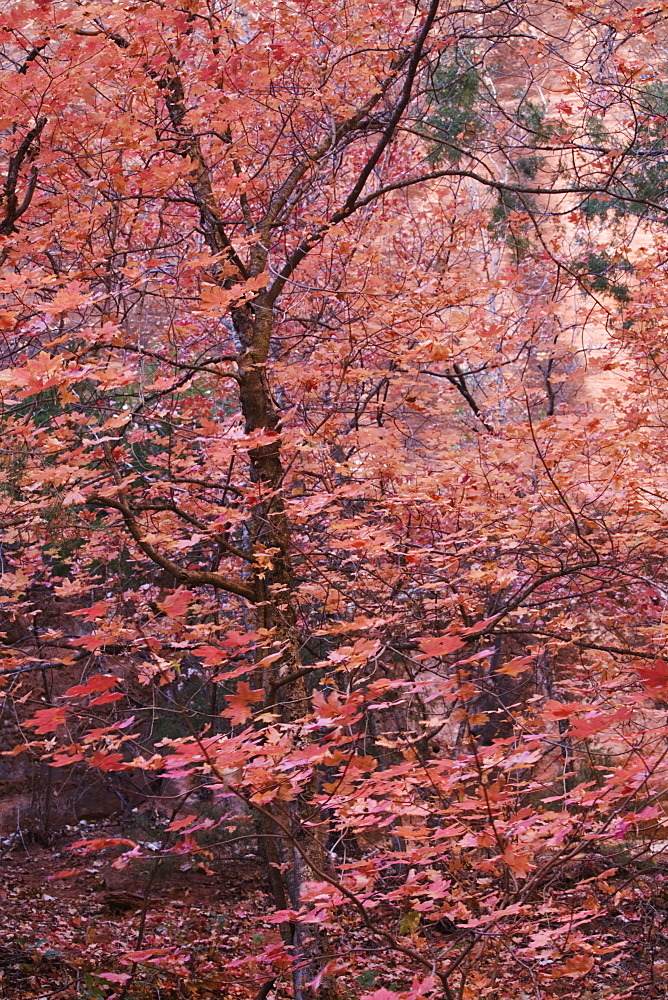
[[294, 401]]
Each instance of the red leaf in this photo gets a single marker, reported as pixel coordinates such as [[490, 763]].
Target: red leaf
[[146, 954], [98, 682], [94, 612], [211, 655], [235, 639], [563, 710], [94, 641], [46, 720], [106, 699], [65, 759], [107, 761], [655, 678], [176, 605], [479, 626], [245, 667], [598, 723], [440, 645]]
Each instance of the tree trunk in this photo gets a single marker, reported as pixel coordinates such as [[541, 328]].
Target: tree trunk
[[284, 683], [269, 527]]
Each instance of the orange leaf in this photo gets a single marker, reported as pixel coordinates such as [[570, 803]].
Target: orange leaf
[[519, 864], [65, 873], [240, 703], [574, 968], [179, 824], [93, 612], [211, 655], [99, 844], [517, 666], [65, 759]]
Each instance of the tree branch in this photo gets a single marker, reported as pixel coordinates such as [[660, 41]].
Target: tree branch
[[26, 150], [190, 577]]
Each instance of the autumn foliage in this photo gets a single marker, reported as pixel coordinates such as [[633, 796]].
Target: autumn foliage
[[333, 479]]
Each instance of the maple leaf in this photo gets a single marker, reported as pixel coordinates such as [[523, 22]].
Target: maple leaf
[[95, 611], [228, 675], [146, 954], [655, 678], [108, 698], [479, 626], [46, 720], [210, 655], [94, 641], [241, 703], [516, 666], [598, 722], [15, 751], [176, 604], [107, 761], [98, 682], [74, 496], [95, 844], [333, 708], [422, 987], [574, 967], [180, 824], [234, 639], [440, 645], [65, 759], [266, 661], [563, 710], [520, 864], [73, 295]]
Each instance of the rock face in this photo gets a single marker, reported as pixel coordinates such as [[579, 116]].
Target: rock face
[[36, 800], [32, 803]]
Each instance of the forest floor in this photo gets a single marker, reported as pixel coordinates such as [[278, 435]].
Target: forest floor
[[64, 934], [69, 921]]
